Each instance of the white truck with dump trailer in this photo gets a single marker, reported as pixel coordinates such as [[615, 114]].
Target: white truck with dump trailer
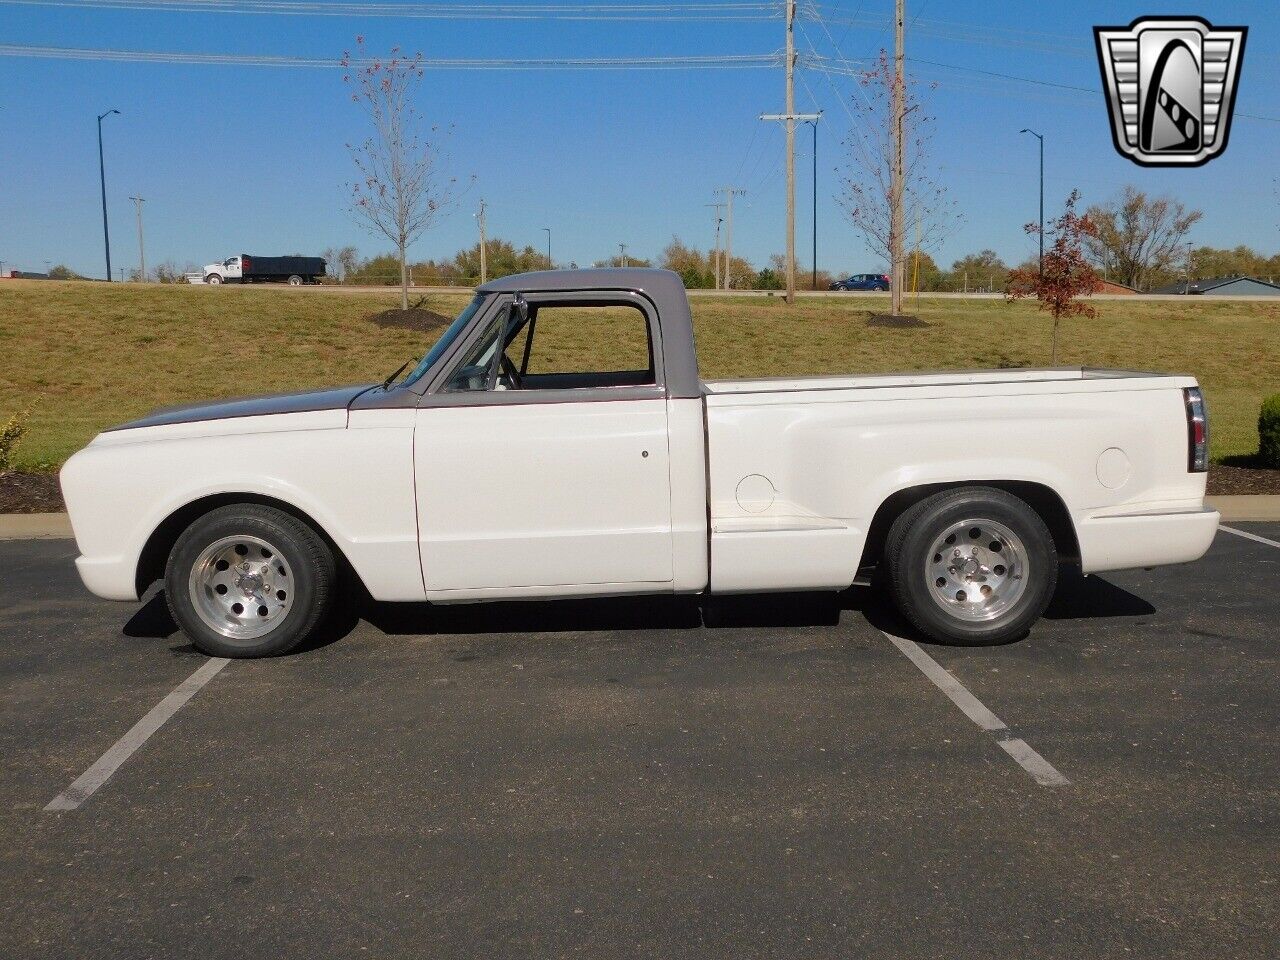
[[243, 268]]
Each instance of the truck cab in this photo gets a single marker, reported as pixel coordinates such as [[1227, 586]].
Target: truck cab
[[228, 271]]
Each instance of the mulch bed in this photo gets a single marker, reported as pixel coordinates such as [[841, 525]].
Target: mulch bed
[[1227, 480], [39, 492], [417, 319], [888, 320], [30, 493]]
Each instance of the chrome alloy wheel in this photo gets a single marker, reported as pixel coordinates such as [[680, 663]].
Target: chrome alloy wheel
[[241, 587], [976, 570]]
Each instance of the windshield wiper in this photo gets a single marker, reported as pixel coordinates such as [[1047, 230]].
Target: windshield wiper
[[386, 384]]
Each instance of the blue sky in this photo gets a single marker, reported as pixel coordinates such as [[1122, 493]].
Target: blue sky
[[252, 159]]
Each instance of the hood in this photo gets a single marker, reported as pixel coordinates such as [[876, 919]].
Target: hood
[[336, 399]]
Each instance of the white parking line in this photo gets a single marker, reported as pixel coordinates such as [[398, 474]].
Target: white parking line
[[83, 787], [1248, 536], [1041, 770]]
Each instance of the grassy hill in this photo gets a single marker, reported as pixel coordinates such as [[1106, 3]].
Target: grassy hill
[[83, 356]]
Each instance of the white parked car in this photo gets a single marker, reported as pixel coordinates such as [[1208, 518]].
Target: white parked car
[[557, 441]]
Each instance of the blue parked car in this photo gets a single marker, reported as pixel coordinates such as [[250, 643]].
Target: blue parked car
[[862, 281]]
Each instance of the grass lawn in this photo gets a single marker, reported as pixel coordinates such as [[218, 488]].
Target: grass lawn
[[84, 356]]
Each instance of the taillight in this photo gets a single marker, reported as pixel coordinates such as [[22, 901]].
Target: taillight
[[244, 264], [1197, 431]]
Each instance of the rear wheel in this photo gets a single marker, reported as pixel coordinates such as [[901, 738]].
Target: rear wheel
[[295, 281], [973, 566], [248, 580]]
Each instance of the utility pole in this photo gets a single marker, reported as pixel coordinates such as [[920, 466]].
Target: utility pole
[[728, 233], [142, 258], [484, 263], [790, 118], [898, 182], [1041, 139], [102, 177], [622, 254], [547, 230], [719, 220]]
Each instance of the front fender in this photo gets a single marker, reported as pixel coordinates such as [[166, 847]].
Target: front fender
[[356, 486]]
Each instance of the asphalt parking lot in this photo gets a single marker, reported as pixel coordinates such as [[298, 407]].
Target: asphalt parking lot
[[615, 779]]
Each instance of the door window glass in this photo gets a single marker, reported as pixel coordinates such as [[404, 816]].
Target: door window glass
[[578, 345]]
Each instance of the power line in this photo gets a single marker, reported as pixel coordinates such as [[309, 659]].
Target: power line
[[729, 61], [758, 10], [824, 64]]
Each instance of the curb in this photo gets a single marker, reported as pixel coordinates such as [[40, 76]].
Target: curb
[[1235, 509], [57, 526], [35, 526]]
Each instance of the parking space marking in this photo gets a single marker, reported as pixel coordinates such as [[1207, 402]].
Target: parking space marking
[[1249, 536], [1041, 770], [83, 787]]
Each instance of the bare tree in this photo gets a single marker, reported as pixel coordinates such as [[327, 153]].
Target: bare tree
[[400, 191], [1137, 236], [867, 174]]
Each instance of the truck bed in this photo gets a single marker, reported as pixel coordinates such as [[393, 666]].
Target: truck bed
[[799, 466]]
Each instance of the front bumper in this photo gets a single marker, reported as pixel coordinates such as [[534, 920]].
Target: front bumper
[[1145, 539], [111, 579]]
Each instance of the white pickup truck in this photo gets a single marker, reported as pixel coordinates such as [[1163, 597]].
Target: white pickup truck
[[557, 441]]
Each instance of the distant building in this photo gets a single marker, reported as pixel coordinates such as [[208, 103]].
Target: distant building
[[1119, 289], [1224, 287]]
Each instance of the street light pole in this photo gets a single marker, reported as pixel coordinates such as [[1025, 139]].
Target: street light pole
[[102, 177], [1041, 139], [548, 232], [484, 264], [813, 283]]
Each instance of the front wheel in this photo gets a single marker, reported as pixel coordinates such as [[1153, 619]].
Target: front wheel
[[971, 566], [247, 580], [213, 278]]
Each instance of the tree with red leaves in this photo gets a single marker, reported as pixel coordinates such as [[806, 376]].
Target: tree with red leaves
[[400, 191], [1066, 275]]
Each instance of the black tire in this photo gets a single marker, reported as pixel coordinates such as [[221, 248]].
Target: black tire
[[308, 588], [213, 279], [295, 281], [916, 543]]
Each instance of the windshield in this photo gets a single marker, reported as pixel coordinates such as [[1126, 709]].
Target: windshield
[[450, 334]]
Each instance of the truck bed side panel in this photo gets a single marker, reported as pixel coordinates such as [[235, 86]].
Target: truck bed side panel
[[796, 480]]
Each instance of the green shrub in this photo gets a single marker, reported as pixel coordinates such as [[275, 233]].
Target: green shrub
[[10, 436], [1269, 432]]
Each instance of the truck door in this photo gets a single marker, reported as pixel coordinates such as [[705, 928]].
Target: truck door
[[541, 457], [232, 268]]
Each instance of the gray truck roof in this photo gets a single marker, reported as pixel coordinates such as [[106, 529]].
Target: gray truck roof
[[662, 287]]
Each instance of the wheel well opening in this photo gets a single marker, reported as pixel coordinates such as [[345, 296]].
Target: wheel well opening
[[1043, 500], [155, 554]]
